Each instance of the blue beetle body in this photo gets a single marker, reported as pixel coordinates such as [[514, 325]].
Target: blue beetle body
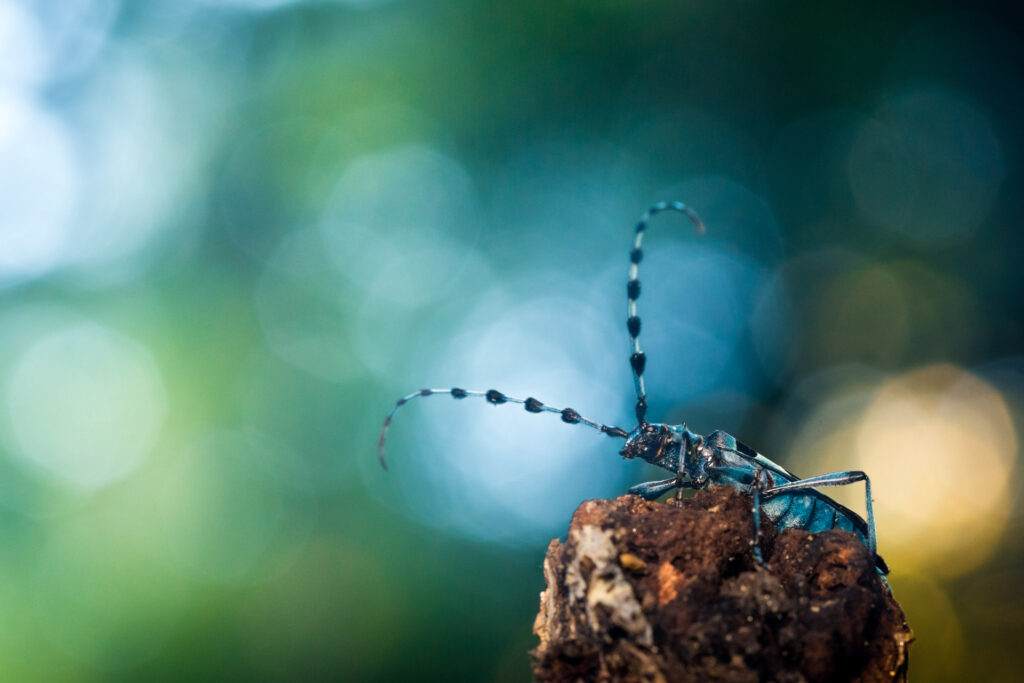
[[695, 461], [720, 460]]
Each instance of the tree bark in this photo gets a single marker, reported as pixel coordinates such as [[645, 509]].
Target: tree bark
[[658, 592]]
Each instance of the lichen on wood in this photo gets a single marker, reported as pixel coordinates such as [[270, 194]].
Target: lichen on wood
[[660, 592]]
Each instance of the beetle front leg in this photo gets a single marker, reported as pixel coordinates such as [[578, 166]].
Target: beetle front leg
[[650, 490]]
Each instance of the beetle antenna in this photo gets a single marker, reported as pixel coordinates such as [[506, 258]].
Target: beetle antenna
[[637, 359], [495, 397]]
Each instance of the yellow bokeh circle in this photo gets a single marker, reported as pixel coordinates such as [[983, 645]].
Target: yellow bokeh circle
[[939, 445]]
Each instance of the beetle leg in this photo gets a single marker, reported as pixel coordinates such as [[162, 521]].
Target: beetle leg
[[756, 510], [650, 490], [835, 479]]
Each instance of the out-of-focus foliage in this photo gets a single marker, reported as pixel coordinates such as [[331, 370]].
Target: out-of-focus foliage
[[233, 232]]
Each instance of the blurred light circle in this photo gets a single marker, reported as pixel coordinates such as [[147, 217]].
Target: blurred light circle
[[40, 182], [499, 472], [939, 445], [140, 163], [392, 222], [21, 488], [143, 161], [297, 300], [86, 405], [382, 321], [882, 173], [928, 166]]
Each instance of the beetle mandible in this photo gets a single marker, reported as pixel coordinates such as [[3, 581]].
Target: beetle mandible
[[696, 461]]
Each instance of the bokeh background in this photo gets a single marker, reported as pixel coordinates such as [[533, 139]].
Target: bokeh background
[[233, 232]]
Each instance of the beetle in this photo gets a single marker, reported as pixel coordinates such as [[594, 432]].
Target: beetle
[[696, 461]]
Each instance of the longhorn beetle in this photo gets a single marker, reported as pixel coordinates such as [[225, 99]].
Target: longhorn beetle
[[696, 461]]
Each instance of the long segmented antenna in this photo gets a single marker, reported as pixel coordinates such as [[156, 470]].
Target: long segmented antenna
[[495, 397], [638, 360]]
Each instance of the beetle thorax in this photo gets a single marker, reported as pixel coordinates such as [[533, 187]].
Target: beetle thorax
[[699, 458]]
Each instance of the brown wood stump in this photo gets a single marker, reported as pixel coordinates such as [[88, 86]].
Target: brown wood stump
[[648, 591]]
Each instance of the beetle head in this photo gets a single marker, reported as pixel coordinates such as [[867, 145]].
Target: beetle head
[[652, 442]]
